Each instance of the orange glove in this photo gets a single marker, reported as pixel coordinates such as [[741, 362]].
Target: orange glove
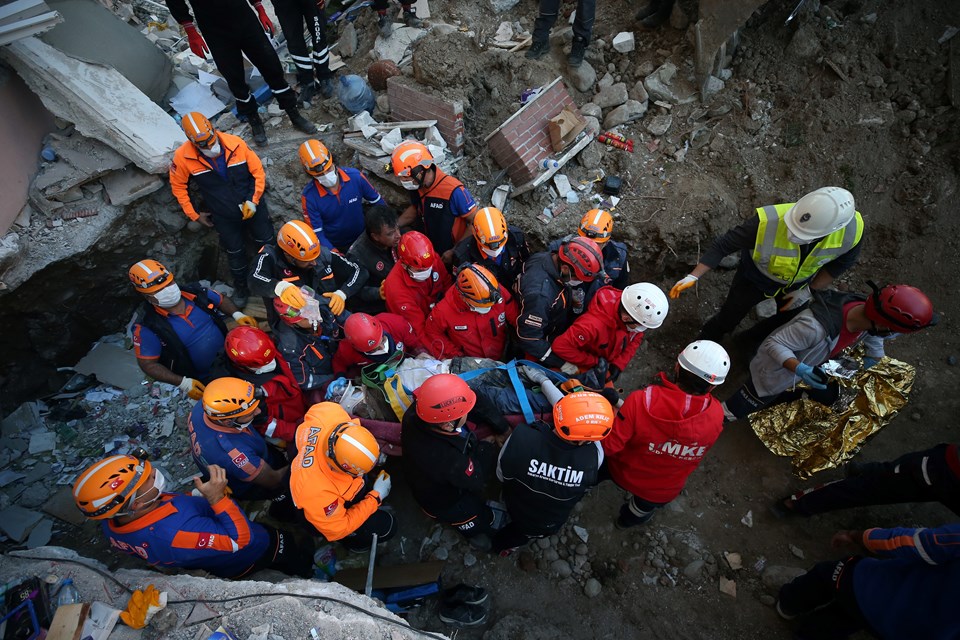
[[682, 285], [290, 294], [247, 209], [244, 320], [142, 606], [383, 290], [197, 44], [264, 18], [193, 388], [336, 301]]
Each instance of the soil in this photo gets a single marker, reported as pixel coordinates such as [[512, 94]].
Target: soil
[[785, 123]]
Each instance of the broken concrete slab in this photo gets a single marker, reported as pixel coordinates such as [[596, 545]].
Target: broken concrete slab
[[80, 160], [130, 184], [61, 506], [624, 42], [627, 112], [111, 364], [41, 534], [398, 44], [663, 84], [24, 419], [17, 522], [42, 441]]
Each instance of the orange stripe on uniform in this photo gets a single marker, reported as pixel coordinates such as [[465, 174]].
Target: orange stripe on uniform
[[232, 509], [890, 544]]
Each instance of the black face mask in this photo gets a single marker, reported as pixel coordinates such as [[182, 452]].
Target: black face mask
[[876, 331]]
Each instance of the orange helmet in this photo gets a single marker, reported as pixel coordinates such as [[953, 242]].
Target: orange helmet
[[415, 250], [149, 276], [444, 398], [299, 241], [583, 415], [104, 488], [597, 225], [409, 155], [315, 157], [249, 347], [478, 286], [490, 229], [352, 449], [227, 399], [198, 130]]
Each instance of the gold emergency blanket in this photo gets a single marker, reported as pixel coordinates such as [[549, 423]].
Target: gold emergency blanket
[[818, 437]]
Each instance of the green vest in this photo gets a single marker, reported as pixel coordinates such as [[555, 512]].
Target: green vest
[[779, 259]]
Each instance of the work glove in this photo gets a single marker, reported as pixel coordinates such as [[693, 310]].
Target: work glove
[[290, 294], [142, 606], [259, 393], [613, 373], [682, 285], [569, 368], [193, 388], [869, 362], [813, 377], [794, 299], [264, 18], [244, 320], [195, 40], [612, 396], [247, 209], [382, 485], [336, 301], [383, 290]]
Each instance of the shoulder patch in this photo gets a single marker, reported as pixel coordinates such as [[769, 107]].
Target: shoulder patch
[[460, 327], [469, 470], [205, 540], [530, 321], [330, 508], [241, 461]]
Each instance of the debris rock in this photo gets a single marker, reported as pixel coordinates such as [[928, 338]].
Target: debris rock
[[560, 568], [606, 81], [663, 85], [734, 560], [768, 599], [34, 496], [502, 6], [591, 109], [627, 112], [804, 43], [728, 587], [797, 551], [469, 559], [612, 96], [659, 125], [441, 553], [348, 41], [593, 124], [775, 576], [591, 156], [692, 570], [583, 77], [712, 86], [592, 588], [582, 533], [383, 103], [678, 18], [395, 47], [638, 92], [748, 518], [624, 42]]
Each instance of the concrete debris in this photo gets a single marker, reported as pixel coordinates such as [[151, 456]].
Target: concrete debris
[[728, 587], [612, 96], [747, 520], [712, 86], [42, 441], [129, 185], [582, 533], [624, 42], [638, 92], [112, 364], [591, 109], [17, 522], [606, 81], [796, 551], [41, 534], [583, 77], [398, 44], [348, 41], [25, 419], [663, 84], [627, 112], [502, 6], [561, 568], [659, 125]]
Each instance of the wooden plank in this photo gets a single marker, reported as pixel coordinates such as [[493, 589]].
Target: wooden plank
[[584, 140], [377, 167], [403, 575], [364, 146], [68, 622]]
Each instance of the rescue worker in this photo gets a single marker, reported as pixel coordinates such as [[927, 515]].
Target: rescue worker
[[299, 260], [376, 251], [384, 22], [229, 178], [494, 245], [334, 455], [556, 287], [903, 582], [208, 532], [783, 250], [230, 32], [582, 30], [473, 319], [417, 282], [442, 204], [546, 470], [373, 340], [222, 433], [308, 349], [444, 462], [655, 14], [252, 356], [612, 328], [313, 71], [178, 334], [333, 200], [834, 322], [663, 432], [597, 225]]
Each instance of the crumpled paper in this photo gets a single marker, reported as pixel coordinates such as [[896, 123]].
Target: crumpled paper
[[818, 437]]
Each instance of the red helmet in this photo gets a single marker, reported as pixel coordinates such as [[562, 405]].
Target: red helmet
[[900, 307], [583, 256], [287, 313], [363, 331], [416, 251], [444, 398], [249, 347]]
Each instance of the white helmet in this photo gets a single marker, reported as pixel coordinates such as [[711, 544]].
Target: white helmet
[[706, 359], [646, 304], [820, 213]]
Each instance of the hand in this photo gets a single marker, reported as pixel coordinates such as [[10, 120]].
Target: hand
[[682, 285], [247, 209], [811, 376], [612, 396], [569, 368], [336, 301], [259, 393], [846, 539], [321, 5], [383, 290], [264, 18], [613, 373], [290, 294], [215, 488], [869, 362], [205, 218], [193, 388], [382, 485], [195, 40], [244, 320], [447, 256], [794, 299]]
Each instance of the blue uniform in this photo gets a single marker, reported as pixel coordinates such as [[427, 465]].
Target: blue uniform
[[200, 335], [337, 218], [242, 453], [186, 531]]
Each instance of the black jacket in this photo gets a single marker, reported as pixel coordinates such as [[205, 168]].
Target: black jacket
[[310, 356], [511, 264], [827, 307], [377, 262]]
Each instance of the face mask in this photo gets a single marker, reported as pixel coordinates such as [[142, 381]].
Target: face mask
[[328, 179], [168, 297], [267, 368], [493, 253], [212, 152], [159, 482], [381, 350], [421, 276], [574, 283], [636, 329], [481, 310], [795, 240], [410, 185]]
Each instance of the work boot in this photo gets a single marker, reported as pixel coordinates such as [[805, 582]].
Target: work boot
[[465, 594], [646, 11], [577, 50], [299, 122], [256, 128], [386, 25], [462, 615], [326, 87], [538, 49], [308, 90], [660, 16], [241, 294], [411, 20]]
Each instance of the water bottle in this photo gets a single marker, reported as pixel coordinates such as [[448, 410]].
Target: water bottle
[[310, 311], [355, 94], [578, 296], [546, 165], [67, 594]]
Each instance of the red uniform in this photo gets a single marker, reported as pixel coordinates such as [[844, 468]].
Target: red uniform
[[411, 299], [599, 333], [660, 436], [285, 404], [454, 330], [348, 360]]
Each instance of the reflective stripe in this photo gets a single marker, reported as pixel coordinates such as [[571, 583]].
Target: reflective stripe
[[923, 468], [359, 446], [304, 58], [635, 510], [918, 545], [276, 92], [307, 240], [596, 219]]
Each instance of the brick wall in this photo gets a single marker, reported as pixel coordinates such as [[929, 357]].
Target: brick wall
[[523, 141], [409, 102]]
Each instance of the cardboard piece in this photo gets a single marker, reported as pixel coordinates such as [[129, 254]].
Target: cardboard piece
[[393, 577], [564, 129], [68, 622]]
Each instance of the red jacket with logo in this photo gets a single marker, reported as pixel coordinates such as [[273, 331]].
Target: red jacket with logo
[[452, 329], [660, 436], [285, 404], [348, 360], [411, 299], [599, 333]]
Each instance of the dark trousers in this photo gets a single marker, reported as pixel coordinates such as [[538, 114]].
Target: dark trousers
[[742, 297], [380, 522], [231, 229], [921, 476], [229, 42], [550, 9], [471, 516], [380, 6], [636, 510], [825, 597], [518, 532], [746, 400], [287, 554], [291, 14]]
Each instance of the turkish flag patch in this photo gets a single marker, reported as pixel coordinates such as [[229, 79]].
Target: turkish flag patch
[[241, 461], [205, 540], [330, 508], [469, 470]]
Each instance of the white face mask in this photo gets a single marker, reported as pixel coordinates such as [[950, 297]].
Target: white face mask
[[795, 240], [168, 297], [410, 185], [481, 310], [421, 276], [267, 368], [493, 253], [159, 482], [574, 283], [636, 329], [212, 152], [329, 179], [382, 349]]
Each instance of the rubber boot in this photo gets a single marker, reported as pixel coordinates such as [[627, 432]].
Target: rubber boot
[[256, 128], [241, 295], [664, 8], [299, 122], [326, 87], [386, 25], [647, 11]]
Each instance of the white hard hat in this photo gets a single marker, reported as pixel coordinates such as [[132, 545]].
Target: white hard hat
[[820, 213], [646, 304], [706, 359]]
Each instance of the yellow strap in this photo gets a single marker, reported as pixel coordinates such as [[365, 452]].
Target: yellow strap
[[396, 395]]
